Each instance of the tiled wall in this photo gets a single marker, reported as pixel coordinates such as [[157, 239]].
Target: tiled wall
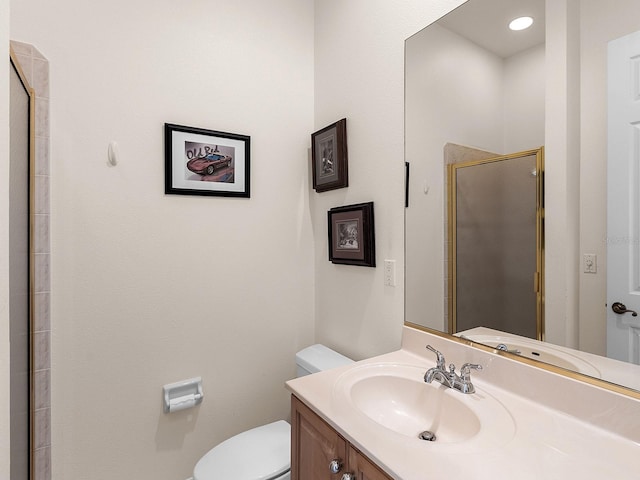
[[36, 70]]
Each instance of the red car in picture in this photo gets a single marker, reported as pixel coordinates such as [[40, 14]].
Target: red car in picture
[[207, 165]]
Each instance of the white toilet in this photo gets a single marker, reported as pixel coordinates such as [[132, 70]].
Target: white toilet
[[264, 453]]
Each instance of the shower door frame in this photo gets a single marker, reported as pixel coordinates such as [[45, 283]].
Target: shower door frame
[[538, 277], [15, 64]]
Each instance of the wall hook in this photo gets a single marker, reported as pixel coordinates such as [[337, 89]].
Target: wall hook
[[112, 153]]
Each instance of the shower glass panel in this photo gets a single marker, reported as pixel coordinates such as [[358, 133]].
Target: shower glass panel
[[495, 250]]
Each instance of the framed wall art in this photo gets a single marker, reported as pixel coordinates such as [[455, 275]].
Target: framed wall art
[[206, 162], [329, 157], [352, 235]]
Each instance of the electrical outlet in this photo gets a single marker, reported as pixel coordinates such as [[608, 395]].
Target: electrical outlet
[[590, 263], [390, 273]]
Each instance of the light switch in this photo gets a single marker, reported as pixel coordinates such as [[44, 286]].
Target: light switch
[[590, 263], [390, 273]]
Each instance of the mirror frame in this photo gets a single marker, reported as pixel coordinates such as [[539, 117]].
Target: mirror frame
[[597, 382]]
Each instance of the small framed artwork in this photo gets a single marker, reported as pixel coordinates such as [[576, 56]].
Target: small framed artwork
[[352, 236], [329, 157], [206, 162]]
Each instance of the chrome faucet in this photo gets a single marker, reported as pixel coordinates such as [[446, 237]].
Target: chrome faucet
[[451, 379], [503, 348]]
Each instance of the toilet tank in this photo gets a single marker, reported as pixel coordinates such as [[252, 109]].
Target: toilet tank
[[317, 358]]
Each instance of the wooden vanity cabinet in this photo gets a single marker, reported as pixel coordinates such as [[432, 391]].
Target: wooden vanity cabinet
[[363, 468], [315, 444]]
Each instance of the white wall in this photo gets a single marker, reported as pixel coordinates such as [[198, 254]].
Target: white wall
[[359, 72], [4, 244], [148, 288], [524, 95]]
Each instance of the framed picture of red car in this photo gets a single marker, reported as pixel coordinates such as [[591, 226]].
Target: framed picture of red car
[[352, 235], [206, 162], [329, 161]]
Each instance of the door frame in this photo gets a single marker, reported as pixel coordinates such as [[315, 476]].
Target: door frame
[[15, 64]]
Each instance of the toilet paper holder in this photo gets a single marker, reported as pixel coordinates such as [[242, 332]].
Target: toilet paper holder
[[182, 395]]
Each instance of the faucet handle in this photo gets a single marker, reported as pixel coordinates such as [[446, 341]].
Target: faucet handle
[[465, 371], [440, 361]]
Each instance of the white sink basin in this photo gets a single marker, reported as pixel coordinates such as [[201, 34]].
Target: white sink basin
[[409, 407], [394, 398]]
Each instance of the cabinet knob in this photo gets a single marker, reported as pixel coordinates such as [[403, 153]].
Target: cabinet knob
[[335, 466], [348, 476]]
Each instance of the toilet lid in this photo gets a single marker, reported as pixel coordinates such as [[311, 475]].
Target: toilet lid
[[262, 453]]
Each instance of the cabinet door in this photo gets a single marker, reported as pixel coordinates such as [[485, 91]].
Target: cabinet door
[[363, 468], [314, 445]]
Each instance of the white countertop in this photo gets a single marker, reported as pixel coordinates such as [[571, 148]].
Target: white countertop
[[563, 428]]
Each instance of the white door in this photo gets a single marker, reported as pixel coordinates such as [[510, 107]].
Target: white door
[[623, 208]]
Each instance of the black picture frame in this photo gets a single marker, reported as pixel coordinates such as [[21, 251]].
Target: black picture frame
[[206, 162], [352, 235], [329, 159]]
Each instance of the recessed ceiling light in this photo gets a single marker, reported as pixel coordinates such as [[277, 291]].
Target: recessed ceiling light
[[521, 23]]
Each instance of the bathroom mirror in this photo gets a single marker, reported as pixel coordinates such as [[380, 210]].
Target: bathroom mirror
[[470, 81]]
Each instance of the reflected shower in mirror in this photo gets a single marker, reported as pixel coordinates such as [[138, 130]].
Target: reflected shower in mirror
[[472, 82], [459, 92], [495, 250]]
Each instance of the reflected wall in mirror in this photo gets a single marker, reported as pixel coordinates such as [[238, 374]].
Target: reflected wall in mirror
[[551, 92]]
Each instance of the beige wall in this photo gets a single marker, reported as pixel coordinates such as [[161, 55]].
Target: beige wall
[[359, 74], [4, 244], [524, 100], [147, 288]]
